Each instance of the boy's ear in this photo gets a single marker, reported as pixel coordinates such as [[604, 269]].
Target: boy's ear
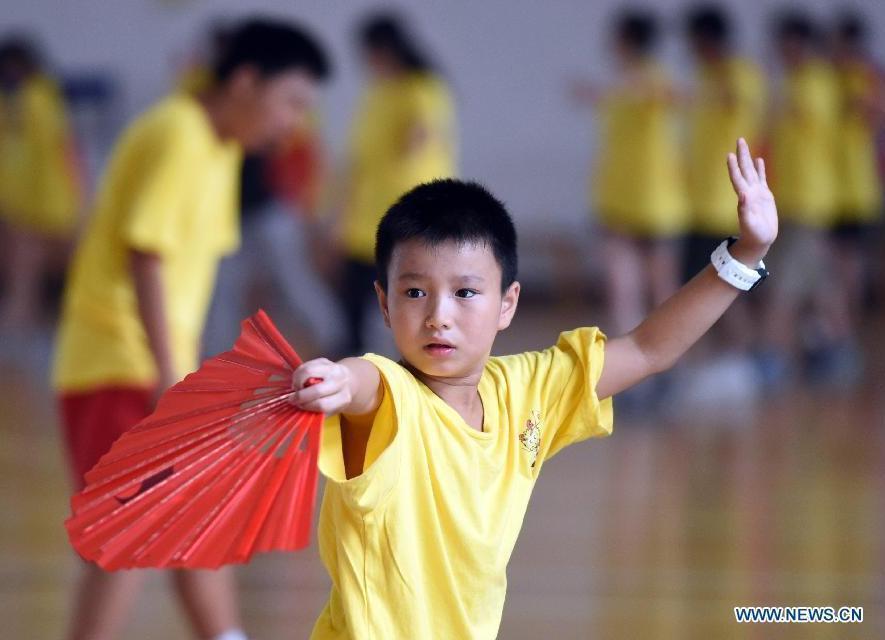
[[382, 303], [508, 306]]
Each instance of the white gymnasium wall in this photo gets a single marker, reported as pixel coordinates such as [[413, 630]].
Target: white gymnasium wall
[[508, 61]]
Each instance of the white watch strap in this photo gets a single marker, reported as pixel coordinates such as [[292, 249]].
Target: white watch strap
[[733, 272]]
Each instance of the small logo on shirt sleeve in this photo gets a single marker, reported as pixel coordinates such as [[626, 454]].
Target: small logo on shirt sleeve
[[530, 438]]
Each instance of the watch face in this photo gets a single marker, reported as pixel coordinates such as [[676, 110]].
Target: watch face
[[763, 273]]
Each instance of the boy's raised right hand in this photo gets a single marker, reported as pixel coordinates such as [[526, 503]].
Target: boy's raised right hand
[[351, 386]]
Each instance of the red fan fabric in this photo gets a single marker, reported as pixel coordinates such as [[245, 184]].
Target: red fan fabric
[[225, 467]]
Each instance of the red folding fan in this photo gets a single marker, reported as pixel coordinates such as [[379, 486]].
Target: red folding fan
[[225, 467]]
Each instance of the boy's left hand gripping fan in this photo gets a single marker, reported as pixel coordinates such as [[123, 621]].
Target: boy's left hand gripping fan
[[225, 467]]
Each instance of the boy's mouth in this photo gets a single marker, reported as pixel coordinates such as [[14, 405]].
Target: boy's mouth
[[439, 348]]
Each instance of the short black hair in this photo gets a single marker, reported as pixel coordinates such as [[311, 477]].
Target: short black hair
[[271, 47], [20, 49], [389, 32], [638, 28], [709, 22], [851, 27], [796, 24], [448, 210]]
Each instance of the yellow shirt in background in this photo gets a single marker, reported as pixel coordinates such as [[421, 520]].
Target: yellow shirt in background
[[39, 187], [417, 546], [729, 104], [382, 165], [860, 192], [638, 187], [803, 146], [170, 189]]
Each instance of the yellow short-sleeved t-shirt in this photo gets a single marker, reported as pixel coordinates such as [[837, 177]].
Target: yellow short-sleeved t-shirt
[[803, 146], [860, 191], [417, 545], [638, 187], [382, 167], [729, 104], [170, 189], [39, 187]]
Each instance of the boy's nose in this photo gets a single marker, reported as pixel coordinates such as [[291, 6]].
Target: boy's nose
[[438, 317], [435, 322]]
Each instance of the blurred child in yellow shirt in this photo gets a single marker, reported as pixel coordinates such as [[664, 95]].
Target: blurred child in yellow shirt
[[403, 134], [728, 102], [278, 264], [40, 191], [637, 191], [861, 118], [141, 280], [804, 133]]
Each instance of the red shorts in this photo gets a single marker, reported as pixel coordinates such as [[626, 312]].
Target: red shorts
[[93, 420]]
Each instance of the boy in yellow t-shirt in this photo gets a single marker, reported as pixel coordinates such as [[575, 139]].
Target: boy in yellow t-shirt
[[40, 193], [637, 191], [431, 460], [728, 101], [403, 135], [861, 118], [804, 134], [140, 283]]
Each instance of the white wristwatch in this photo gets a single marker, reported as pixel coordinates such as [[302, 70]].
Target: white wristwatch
[[736, 273]]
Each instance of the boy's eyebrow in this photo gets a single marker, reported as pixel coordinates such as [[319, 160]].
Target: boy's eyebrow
[[414, 275], [411, 275]]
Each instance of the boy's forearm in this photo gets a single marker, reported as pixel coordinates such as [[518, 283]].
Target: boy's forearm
[[151, 301], [671, 329], [364, 383]]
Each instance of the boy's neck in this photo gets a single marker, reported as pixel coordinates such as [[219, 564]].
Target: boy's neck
[[459, 392], [211, 102], [717, 58]]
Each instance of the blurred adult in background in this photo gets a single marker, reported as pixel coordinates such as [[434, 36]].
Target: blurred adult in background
[[40, 191], [807, 324], [861, 117], [143, 274], [403, 134], [728, 103], [637, 190]]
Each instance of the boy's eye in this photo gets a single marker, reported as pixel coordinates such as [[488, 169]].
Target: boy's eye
[[414, 293], [465, 293]]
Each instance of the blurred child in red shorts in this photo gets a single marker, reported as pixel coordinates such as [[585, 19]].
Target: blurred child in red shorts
[[142, 278]]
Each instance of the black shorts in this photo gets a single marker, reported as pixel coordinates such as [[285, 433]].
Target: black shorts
[[853, 232]]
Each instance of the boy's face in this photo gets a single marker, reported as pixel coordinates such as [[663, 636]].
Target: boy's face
[[705, 49], [263, 110], [12, 72], [844, 47], [793, 50], [378, 63], [445, 306]]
